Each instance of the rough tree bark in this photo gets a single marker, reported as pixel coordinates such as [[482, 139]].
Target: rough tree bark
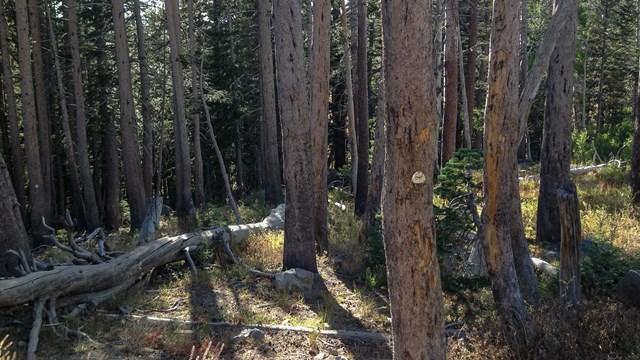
[[136, 194], [362, 111], [501, 135], [92, 217], [268, 126], [353, 143], [198, 170], [635, 154], [78, 208], [42, 110], [571, 235], [299, 249], [407, 210], [37, 195], [13, 235], [472, 55], [449, 126], [555, 157], [185, 209], [145, 99], [319, 85], [17, 175], [377, 166]]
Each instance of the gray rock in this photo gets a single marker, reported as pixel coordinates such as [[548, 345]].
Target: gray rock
[[299, 280], [551, 255], [275, 220], [628, 288], [253, 334]]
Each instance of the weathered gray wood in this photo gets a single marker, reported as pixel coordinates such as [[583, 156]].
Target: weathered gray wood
[[151, 220], [570, 236], [70, 281]]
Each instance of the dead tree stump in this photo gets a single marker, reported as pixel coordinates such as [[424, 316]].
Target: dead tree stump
[[570, 236]]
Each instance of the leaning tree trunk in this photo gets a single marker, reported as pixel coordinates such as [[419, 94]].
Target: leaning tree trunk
[[555, 157], [268, 126], [501, 131], [319, 78], [17, 174], [136, 194], [13, 235], [407, 211], [37, 194], [299, 250], [362, 110]]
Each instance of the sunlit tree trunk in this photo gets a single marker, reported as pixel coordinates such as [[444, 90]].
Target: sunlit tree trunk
[[353, 143], [268, 126], [184, 202], [417, 309], [299, 248], [319, 85], [130, 149], [501, 138]]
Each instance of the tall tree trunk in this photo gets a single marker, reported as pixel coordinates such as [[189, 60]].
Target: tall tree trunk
[[319, 81], [268, 126], [377, 166], [37, 196], [184, 203], [128, 130], [44, 127], [466, 115], [13, 235], [555, 157], [635, 152], [501, 135], [472, 55], [438, 54], [92, 217], [362, 111], [77, 202], [198, 171], [145, 98], [17, 158], [603, 61], [449, 127], [524, 149], [293, 100], [353, 143], [407, 210], [110, 160]]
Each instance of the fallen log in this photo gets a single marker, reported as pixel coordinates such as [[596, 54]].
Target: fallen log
[[74, 280]]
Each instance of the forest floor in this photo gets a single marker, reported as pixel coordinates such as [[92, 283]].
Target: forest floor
[[217, 304]]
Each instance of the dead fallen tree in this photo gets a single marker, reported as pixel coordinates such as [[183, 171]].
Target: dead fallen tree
[[73, 280]]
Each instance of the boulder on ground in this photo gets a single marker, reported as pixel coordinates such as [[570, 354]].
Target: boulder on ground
[[306, 282]]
